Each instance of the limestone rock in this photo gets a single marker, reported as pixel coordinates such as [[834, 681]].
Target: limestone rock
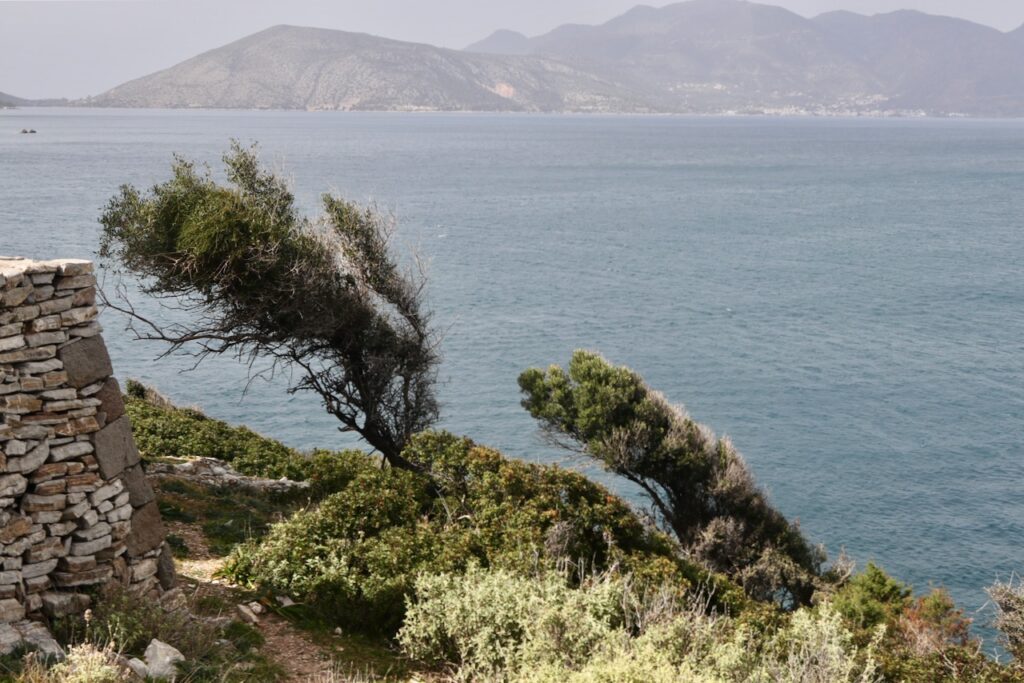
[[165, 572], [138, 667], [111, 403], [147, 530], [57, 605], [10, 639], [38, 637], [12, 485], [138, 486], [86, 361], [11, 610], [246, 614], [162, 660], [115, 448], [93, 577]]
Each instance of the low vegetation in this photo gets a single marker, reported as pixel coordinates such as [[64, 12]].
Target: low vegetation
[[492, 569], [217, 648], [356, 555], [499, 626]]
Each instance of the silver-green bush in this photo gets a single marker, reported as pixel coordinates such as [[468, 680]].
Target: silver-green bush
[[500, 626]]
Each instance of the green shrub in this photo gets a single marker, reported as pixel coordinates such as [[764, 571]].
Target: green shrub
[[352, 556], [163, 430], [355, 557], [954, 665], [926, 639], [933, 623], [490, 622], [501, 626], [870, 599], [331, 471], [166, 431]]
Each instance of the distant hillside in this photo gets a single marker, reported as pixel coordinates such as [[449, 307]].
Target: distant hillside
[[12, 101], [713, 55], [701, 56], [934, 63], [288, 67]]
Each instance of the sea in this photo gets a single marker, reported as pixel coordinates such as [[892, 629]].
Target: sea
[[843, 298]]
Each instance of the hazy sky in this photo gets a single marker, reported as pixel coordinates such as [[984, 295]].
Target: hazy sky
[[73, 48]]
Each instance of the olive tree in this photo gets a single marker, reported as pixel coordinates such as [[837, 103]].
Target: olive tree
[[700, 486], [324, 296]]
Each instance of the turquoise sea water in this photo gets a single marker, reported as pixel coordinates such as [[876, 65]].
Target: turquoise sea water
[[844, 298]]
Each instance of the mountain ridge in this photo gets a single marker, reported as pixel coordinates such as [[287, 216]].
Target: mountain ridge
[[695, 57], [293, 67]]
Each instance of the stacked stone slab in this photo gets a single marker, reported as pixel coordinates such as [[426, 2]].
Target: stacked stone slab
[[76, 510]]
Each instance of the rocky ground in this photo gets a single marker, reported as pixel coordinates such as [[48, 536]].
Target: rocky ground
[[295, 651]]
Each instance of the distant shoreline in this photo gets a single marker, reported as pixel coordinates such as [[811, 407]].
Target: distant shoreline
[[900, 116]]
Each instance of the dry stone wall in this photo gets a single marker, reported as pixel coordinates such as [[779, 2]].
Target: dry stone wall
[[76, 510]]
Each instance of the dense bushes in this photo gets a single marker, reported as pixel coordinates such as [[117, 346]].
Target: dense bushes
[[872, 598], [503, 626], [356, 554], [499, 626], [924, 638], [162, 430], [355, 557], [487, 623]]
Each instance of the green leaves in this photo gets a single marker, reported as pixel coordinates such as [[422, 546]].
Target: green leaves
[[325, 297], [357, 554], [872, 598], [698, 484]]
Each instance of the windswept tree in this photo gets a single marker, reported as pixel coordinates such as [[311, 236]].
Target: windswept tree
[[257, 280], [699, 485]]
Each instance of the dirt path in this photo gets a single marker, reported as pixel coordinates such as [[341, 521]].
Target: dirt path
[[294, 651], [303, 659]]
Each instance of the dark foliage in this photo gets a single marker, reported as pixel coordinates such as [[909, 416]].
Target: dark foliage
[[263, 283], [699, 485]]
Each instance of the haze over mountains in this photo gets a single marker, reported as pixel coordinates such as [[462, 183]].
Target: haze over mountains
[[7, 100], [701, 56]]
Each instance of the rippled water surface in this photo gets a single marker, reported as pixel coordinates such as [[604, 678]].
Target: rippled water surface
[[844, 298]]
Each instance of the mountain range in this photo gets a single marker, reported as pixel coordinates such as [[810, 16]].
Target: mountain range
[[701, 56]]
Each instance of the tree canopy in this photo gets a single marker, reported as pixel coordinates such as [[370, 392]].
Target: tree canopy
[[700, 486], [257, 280]]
